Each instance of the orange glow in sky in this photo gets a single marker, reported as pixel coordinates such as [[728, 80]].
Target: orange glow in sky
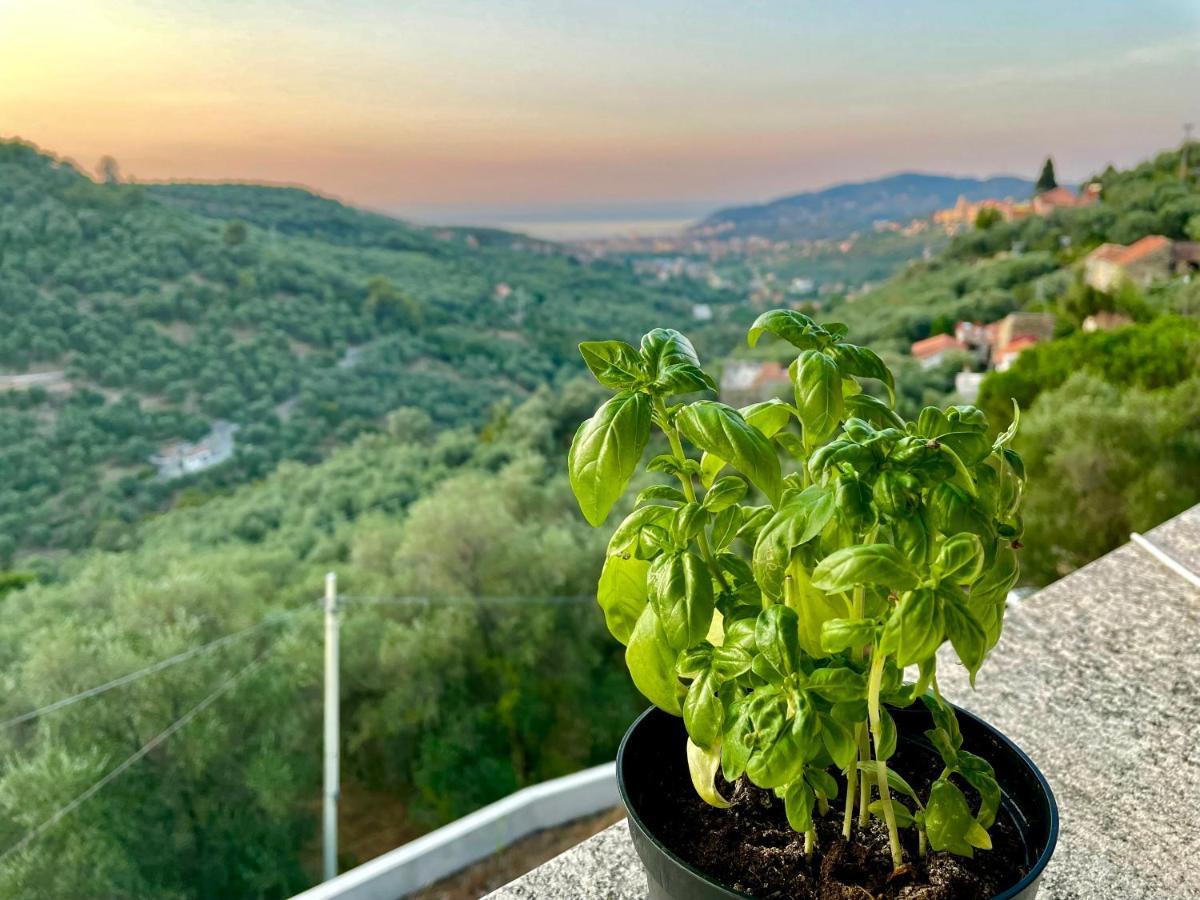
[[392, 104]]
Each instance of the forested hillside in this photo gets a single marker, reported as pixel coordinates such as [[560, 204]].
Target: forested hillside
[[154, 311], [447, 702], [1111, 435]]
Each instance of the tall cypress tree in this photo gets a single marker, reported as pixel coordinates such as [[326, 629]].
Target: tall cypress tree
[[1046, 181]]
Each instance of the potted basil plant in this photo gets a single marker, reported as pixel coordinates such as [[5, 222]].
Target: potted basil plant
[[795, 560]]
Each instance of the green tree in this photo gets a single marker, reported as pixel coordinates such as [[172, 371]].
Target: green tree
[[988, 217], [1046, 180], [235, 233]]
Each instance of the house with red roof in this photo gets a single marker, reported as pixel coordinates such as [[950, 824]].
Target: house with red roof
[[933, 350], [1141, 262]]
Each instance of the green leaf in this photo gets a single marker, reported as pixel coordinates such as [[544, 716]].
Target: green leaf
[[1006, 437], [615, 364], [966, 634], [606, 451], [725, 527], [784, 743], [843, 634], [854, 360], [979, 773], [949, 823], [703, 712], [839, 742], [879, 564], [724, 493], [681, 594], [777, 637], [651, 662], [960, 559], [770, 417], [818, 395], [903, 815], [795, 328], [838, 684], [897, 494], [622, 594], [870, 769], [661, 492], [736, 749], [812, 606], [874, 410], [721, 431], [671, 360], [915, 629], [798, 801], [971, 447], [800, 518], [822, 783], [702, 765], [629, 538]]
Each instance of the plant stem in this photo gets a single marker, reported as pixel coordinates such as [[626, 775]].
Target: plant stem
[[864, 797], [810, 842], [921, 842], [873, 686], [851, 789]]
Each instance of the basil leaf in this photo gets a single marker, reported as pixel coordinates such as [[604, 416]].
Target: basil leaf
[[843, 634], [615, 364], [671, 360], [770, 417], [949, 823], [798, 801], [870, 769], [966, 634], [887, 745], [661, 492], [839, 743], [721, 431], [873, 410], [621, 594], [629, 538], [818, 395], [903, 815], [813, 607], [854, 360], [915, 629], [800, 518], [776, 633], [724, 493], [703, 712], [651, 662], [681, 594], [606, 451], [864, 564], [960, 559], [796, 328], [838, 684], [702, 765], [980, 775]]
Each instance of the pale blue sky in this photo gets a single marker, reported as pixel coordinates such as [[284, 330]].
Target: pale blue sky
[[420, 103]]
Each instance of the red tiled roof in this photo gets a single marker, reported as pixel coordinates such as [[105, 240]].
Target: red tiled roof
[[939, 343], [1059, 196], [1151, 243]]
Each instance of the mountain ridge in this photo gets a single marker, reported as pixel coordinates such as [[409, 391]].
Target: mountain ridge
[[840, 209]]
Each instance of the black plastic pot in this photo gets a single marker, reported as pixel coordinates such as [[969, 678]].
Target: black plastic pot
[[1027, 799]]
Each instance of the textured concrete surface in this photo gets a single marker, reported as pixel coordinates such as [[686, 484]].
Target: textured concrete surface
[[1097, 677]]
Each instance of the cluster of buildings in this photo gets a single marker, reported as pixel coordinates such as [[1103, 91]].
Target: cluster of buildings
[[963, 214], [1152, 258], [993, 346], [184, 458]]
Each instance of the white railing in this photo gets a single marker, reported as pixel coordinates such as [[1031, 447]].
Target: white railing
[[453, 847]]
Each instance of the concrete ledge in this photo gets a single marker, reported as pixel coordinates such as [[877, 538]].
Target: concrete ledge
[[1097, 677], [455, 846]]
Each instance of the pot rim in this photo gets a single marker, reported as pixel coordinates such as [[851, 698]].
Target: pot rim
[[1034, 873]]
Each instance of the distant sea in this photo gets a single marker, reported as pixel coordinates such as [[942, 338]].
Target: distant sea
[[569, 222]]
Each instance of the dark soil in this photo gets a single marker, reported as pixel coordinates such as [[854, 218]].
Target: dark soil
[[751, 848]]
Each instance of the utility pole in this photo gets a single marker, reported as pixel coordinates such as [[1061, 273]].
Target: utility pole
[[332, 713]]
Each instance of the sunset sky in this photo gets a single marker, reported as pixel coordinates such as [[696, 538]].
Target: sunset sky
[[420, 105]]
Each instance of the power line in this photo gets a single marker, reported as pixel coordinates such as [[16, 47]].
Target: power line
[[146, 748], [148, 670]]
